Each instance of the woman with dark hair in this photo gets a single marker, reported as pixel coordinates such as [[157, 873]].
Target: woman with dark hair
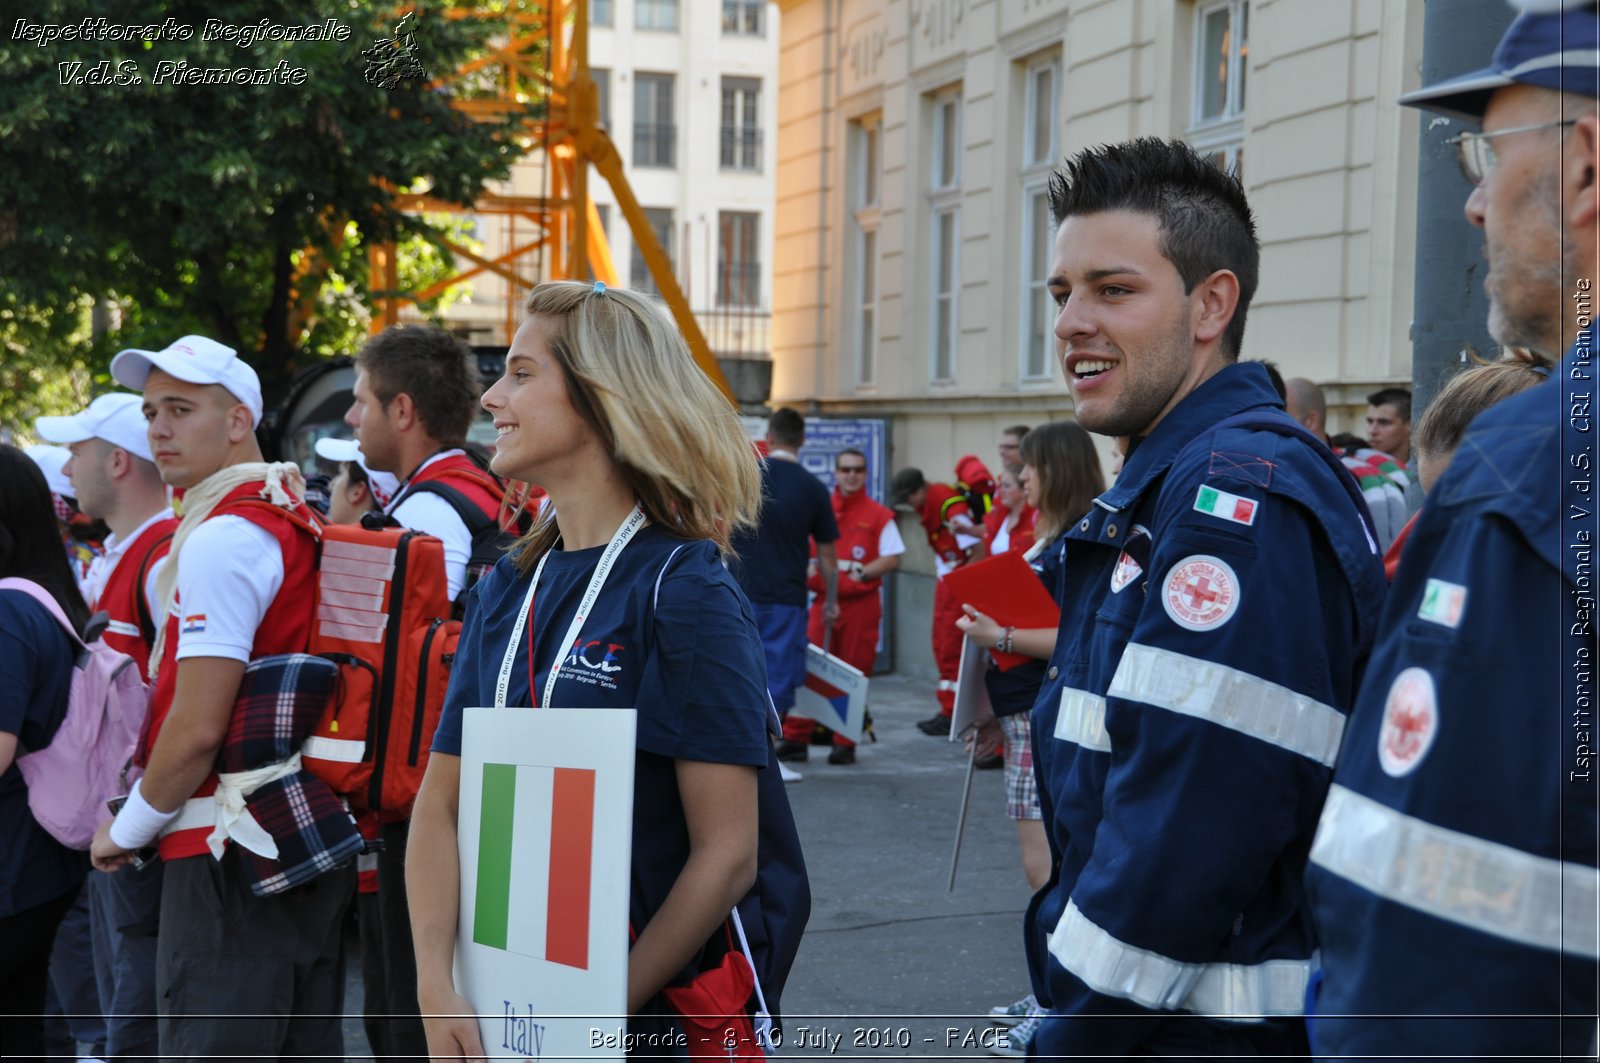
[[39, 877], [1060, 478]]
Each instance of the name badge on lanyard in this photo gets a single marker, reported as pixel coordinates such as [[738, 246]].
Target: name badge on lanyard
[[625, 533]]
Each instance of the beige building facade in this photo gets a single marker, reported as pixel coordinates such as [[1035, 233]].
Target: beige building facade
[[912, 243]]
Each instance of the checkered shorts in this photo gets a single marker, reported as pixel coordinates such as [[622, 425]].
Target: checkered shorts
[[1022, 796]]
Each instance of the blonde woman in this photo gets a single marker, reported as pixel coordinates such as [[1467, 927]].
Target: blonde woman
[[646, 467]]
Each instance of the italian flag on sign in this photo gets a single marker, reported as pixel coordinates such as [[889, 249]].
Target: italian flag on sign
[[533, 899], [1225, 506]]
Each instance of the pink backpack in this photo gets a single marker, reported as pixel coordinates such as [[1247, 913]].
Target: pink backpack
[[86, 763]]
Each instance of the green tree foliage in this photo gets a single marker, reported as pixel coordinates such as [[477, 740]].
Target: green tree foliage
[[240, 211]]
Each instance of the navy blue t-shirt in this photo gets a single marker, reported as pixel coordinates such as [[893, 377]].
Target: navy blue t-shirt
[[35, 676], [1016, 689], [691, 664], [795, 508]]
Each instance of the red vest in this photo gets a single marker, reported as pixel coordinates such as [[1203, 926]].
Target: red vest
[[861, 522], [120, 597], [460, 472], [1021, 535], [943, 503], [285, 629]]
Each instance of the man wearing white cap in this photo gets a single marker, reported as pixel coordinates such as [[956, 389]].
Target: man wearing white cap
[[1454, 873], [237, 974], [116, 481], [356, 489]]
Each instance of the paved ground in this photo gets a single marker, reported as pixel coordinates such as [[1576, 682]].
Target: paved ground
[[893, 963]]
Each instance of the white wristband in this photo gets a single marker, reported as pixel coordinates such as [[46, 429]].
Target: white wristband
[[137, 825]]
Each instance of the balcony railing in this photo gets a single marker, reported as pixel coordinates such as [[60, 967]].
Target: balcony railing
[[738, 332], [655, 145], [741, 148]]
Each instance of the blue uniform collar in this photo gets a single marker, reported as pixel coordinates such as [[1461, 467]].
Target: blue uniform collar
[[1238, 387]]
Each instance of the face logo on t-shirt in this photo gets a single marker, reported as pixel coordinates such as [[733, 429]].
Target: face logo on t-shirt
[[594, 661], [858, 552]]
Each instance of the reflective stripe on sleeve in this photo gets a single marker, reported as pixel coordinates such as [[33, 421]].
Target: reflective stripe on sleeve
[[1486, 886], [1221, 990], [1230, 698], [341, 750], [1082, 720]]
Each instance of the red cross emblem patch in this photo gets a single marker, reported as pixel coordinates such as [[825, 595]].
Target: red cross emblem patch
[[1410, 722], [1201, 593]]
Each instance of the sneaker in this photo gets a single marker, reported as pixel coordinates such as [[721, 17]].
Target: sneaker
[[788, 774], [937, 726], [791, 750], [842, 755], [1015, 1042], [1013, 1013]]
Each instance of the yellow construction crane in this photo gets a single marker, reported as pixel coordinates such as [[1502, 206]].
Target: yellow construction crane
[[566, 234]]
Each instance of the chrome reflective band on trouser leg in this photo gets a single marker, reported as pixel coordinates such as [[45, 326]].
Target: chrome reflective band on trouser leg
[[1492, 888], [1221, 990], [1082, 720], [947, 684], [1229, 698]]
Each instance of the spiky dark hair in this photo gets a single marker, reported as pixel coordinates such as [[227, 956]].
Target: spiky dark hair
[[1206, 224]]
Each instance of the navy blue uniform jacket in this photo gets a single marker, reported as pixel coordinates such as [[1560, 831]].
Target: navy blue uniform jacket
[[1218, 604]]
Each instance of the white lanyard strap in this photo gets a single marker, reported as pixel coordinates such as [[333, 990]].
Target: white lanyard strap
[[632, 524]]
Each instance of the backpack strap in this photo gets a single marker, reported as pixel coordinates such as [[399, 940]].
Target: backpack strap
[[310, 525], [46, 599], [471, 514], [147, 626]]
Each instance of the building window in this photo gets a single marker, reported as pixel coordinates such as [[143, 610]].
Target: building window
[[601, 14], [639, 277], [602, 84], [656, 15], [1040, 148], [1039, 138], [741, 124], [946, 234], [738, 259], [742, 18], [944, 202], [866, 134], [1222, 53], [1038, 310], [946, 159], [655, 133]]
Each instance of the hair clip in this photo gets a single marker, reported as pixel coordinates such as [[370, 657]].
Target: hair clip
[[599, 287]]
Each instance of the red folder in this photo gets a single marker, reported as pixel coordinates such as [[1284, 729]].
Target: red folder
[[1006, 588]]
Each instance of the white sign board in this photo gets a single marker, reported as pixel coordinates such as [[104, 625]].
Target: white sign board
[[972, 696], [834, 694], [545, 831]]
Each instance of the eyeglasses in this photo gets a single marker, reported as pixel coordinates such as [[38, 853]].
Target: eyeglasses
[[1475, 155], [844, 469]]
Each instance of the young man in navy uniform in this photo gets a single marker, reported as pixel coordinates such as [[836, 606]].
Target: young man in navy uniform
[[1454, 873], [1218, 603]]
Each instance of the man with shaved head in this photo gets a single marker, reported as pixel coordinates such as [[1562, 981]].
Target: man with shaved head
[[1384, 497]]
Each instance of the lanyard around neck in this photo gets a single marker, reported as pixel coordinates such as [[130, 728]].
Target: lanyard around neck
[[625, 532]]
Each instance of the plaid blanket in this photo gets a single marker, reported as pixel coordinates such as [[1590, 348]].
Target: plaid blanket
[[280, 701]]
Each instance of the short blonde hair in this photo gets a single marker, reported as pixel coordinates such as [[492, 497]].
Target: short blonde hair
[[1444, 423], [677, 440]]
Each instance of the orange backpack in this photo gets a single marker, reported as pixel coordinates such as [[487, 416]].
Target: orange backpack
[[383, 615]]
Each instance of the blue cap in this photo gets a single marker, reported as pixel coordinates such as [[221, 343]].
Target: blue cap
[[1555, 49]]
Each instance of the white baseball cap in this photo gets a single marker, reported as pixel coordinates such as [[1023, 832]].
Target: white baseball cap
[[50, 460], [383, 484], [116, 418], [197, 360]]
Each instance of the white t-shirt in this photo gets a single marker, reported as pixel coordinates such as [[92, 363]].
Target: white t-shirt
[[229, 573], [432, 515], [94, 584], [889, 542]]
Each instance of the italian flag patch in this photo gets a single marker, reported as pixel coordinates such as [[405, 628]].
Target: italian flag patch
[[1224, 506]]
